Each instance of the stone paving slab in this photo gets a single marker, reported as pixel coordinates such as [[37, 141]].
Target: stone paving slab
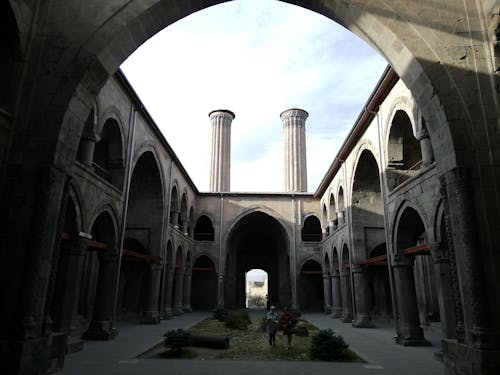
[[374, 345]]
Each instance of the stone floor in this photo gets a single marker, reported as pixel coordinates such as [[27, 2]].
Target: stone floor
[[376, 346]]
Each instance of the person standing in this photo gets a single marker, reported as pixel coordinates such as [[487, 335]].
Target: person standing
[[272, 321], [287, 323]]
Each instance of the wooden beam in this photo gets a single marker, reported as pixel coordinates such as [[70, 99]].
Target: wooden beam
[[376, 259], [422, 249]]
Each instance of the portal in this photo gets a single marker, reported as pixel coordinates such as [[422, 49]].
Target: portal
[[257, 241]]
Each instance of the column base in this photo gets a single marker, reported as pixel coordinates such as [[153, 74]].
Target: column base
[[74, 344], [187, 309], [151, 317], [178, 311], [363, 321], [167, 314], [346, 320], [413, 336], [100, 330], [31, 356], [336, 313], [462, 359]]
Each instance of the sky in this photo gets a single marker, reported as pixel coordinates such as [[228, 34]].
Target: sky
[[256, 58]]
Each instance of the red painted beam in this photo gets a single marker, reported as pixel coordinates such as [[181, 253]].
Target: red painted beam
[[203, 269], [374, 260], [312, 272], [416, 249]]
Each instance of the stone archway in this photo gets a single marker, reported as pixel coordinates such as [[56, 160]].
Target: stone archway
[[257, 241]]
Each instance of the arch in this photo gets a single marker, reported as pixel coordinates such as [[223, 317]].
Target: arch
[[183, 215], [332, 209], [204, 229], [327, 264], [325, 219], [310, 288], [311, 229], [367, 207], [190, 226], [257, 240], [204, 283], [174, 206], [409, 228], [108, 160], [146, 204], [404, 156]]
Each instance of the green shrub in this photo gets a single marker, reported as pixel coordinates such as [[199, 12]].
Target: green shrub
[[237, 319], [176, 340], [258, 301], [220, 314], [326, 346]]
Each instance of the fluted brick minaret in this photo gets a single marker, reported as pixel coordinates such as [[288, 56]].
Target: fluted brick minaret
[[220, 164], [294, 128]]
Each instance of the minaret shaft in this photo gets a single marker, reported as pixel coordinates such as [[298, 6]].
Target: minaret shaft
[[295, 167], [220, 163]]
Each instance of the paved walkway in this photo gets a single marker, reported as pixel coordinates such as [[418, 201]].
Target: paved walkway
[[376, 346]]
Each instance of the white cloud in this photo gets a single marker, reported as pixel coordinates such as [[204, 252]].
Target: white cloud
[[256, 58]]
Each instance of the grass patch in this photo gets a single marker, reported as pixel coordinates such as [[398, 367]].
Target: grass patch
[[250, 344]]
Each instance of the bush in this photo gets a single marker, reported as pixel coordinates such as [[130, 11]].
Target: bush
[[220, 314], [257, 301], [326, 346], [237, 320], [176, 340]]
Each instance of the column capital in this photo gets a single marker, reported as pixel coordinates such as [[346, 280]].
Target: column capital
[[438, 253]]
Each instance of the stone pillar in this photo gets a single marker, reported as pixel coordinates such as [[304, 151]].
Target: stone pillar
[[327, 292], [168, 292], [345, 282], [100, 327], [411, 334], [185, 226], [220, 165], [220, 291], [324, 234], [331, 226], [426, 147], [67, 291], [151, 315], [175, 218], [186, 295], [86, 149], [294, 128], [362, 298], [444, 290], [336, 296], [340, 216], [178, 289]]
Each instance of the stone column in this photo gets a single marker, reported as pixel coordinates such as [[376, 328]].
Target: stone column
[[324, 234], [220, 165], [444, 290], [411, 334], [340, 216], [457, 186], [100, 327], [175, 218], [86, 149], [168, 292], [327, 292], [362, 298], [186, 295], [220, 291], [345, 282], [178, 289], [331, 226], [67, 291], [295, 167], [151, 315], [185, 227], [426, 147], [336, 296]]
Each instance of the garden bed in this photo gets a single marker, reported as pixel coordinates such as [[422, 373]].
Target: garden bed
[[249, 344]]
